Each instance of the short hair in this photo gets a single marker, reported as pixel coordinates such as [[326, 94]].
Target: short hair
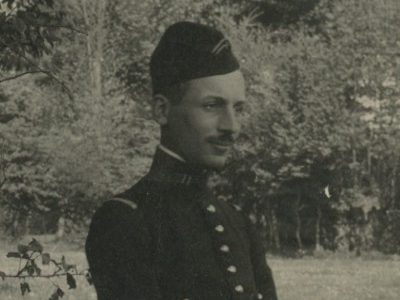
[[174, 93]]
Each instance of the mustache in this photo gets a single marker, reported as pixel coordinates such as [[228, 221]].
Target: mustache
[[224, 139]]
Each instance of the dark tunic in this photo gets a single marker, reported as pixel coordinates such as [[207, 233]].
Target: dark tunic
[[169, 237]]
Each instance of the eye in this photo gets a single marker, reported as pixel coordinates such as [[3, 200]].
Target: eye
[[211, 105]]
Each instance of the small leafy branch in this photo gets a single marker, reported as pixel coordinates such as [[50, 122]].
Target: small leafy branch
[[28, 268]]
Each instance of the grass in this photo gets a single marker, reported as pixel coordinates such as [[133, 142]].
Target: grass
[[328, 278], [331, 278]]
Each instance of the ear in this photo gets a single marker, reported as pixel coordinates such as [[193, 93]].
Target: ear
[[161, 109]]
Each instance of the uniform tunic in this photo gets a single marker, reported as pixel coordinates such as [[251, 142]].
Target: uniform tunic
[[170, 238]]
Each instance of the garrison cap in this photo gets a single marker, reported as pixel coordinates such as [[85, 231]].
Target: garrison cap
[[188, 51]]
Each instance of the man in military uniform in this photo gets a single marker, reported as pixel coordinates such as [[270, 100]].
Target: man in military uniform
[[168, 237]]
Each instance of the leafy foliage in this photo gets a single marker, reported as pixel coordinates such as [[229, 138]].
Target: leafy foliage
[[28, 30], [319, 150], [28, 256]]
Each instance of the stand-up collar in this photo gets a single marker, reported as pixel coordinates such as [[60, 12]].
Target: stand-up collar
[[168, 169]]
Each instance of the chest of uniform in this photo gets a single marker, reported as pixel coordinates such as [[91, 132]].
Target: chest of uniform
[[204, 248]]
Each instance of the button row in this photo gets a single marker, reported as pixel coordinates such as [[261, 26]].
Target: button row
[[225, 248]]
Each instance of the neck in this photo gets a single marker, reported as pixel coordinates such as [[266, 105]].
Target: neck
[[169, 167]]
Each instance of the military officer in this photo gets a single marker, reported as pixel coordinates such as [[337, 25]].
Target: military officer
[[168, 237]]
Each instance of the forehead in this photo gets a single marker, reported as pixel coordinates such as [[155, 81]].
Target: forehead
[[229, 86]]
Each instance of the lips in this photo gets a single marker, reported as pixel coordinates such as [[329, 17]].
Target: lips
[[223, 141], [221, 147], [222, 144]]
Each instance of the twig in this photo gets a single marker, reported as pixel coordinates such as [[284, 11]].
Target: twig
[[49, 74], [20, 75], [42, 276], [64, 27], [40, 70]]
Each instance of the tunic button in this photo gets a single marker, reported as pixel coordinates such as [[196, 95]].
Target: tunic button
[[232, 269], [211, 208], [259, 296], [219, 228], [237, 207], [224, 248], [239, 288]]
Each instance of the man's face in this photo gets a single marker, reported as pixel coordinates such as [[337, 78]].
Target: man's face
[[203, 126]]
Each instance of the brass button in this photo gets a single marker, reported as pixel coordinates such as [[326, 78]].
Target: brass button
[[224, 248], [237, 207], [239, 288], [232, 269], [219, 228], [211, 208]]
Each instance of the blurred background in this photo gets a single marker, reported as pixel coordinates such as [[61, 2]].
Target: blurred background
[[317, 167]]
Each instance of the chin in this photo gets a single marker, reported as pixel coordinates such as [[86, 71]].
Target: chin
[[215, 163]]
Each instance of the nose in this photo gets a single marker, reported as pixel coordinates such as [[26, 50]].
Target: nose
[[229, 122]]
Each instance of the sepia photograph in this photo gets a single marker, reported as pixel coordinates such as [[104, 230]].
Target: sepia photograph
[[200, 150]]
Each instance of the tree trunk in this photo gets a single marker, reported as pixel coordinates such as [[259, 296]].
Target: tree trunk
[[60, 228], [369, 160], [94, 16], [298, 220], [275, 230], [318, 246], [393, 182]]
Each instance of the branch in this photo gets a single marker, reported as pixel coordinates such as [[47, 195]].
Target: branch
[[59, 81], [64, 27], [43, 276], [49, 74], [19, 75], [38, 69], [3, 166]]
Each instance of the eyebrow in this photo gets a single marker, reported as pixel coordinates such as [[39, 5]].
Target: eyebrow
[[222, 99]]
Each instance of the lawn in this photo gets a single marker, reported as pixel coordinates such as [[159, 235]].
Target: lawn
[[296, 279], [333, 279]]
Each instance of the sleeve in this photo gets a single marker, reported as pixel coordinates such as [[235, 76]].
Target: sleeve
[[119, 255], [262, 272]]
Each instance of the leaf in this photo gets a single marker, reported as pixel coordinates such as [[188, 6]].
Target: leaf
[[60, 292], [35, 246], [30, 269], [2, 275], [45, 258], [24, 286], [14, 254], [63, 262], [36, 268], [71, 281], [23, 249], [66, 266], [54, 296]]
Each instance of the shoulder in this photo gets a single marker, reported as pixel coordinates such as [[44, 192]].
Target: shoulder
[[125, 209]]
